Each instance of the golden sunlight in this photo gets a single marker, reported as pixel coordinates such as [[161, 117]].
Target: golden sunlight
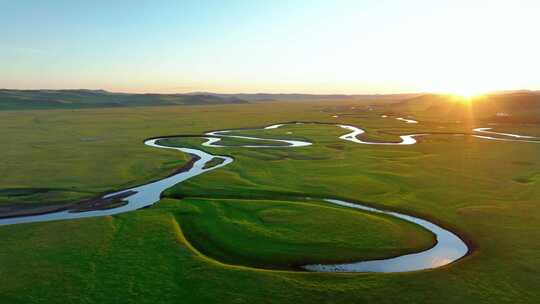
[[465, 93], [468, 93]]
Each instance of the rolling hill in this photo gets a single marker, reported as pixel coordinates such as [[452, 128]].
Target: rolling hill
[[262, 97], [74, 99], [510, 107]]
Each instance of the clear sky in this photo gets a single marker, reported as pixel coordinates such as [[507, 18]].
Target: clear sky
[[349, 46]]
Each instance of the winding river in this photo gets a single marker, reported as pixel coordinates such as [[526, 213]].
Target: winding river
[[411, 121], [520, 137], [353, 136], [448, 248]]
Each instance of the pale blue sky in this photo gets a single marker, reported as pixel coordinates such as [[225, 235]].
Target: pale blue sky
[[270, 46]]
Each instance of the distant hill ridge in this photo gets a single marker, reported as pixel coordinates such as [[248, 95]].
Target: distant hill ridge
[[85, 98], [514, 106], [499, 102], [81, 98], [305, 97]]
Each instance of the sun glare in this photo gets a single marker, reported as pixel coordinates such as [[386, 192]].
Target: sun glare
[[467, 94]]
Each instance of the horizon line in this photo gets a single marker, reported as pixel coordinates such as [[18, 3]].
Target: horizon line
[[268, 93]]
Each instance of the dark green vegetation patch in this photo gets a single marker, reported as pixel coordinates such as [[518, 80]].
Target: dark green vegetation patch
[[288, 234]]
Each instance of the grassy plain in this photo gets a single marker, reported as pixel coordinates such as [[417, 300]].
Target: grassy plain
[[487, 191]]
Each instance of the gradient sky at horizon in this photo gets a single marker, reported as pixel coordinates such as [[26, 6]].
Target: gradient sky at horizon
[[342, 46]]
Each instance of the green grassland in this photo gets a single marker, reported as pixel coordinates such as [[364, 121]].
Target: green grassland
[[294, 233], [101, 148], [201, 243]]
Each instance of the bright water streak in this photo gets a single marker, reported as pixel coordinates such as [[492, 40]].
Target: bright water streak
[[485, 130], [353, 136]]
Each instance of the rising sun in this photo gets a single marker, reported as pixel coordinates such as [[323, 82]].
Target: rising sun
[[464, 92], [468, 94]]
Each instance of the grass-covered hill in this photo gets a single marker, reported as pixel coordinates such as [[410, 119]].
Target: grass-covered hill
[[73, 99], [514, 107]]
